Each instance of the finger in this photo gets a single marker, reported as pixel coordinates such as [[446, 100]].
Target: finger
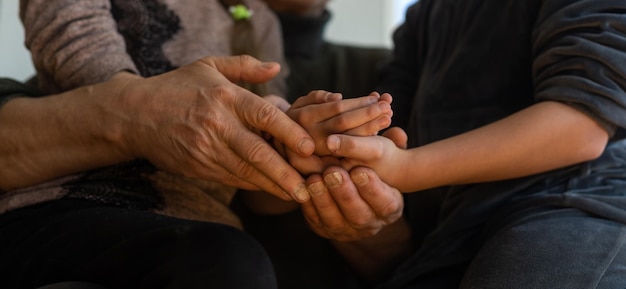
[[363, 148], [386, 97], [329, 214], [316, 97], [313, 219], [331, 109], [277, 101], [354, 117], [305, 165], [265, 168], [398, 136], [371, 128], [353, 207], [243, 68], [386, 202], [259, 114], [227, 160]]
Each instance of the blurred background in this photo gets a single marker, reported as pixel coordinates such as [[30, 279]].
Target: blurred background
[[359, 22]]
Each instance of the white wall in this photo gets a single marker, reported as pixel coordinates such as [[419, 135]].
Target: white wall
[[361, 22], [14, 58], [365, 22]]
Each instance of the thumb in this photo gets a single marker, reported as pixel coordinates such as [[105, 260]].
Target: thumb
[[243, 68], [398, 136]]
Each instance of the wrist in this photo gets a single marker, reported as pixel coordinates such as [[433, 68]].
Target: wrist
[[114, 102]]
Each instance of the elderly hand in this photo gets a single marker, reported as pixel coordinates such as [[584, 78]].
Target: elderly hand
[[195, 122], [350, 206]]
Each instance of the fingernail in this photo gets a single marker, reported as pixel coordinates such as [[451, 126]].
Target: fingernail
[[301, 194], [333, 179], [334, 97], [306, 146], [317, 189], [267, 65], [333, 142], [361, 179]]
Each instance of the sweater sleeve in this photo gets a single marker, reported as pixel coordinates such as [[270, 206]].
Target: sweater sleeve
[[401, 75], [73, 43], [580, 58]]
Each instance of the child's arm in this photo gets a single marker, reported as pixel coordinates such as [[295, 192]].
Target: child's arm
[[545, 136]]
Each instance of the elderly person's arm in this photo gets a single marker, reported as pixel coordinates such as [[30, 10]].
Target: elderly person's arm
[[205, 131]]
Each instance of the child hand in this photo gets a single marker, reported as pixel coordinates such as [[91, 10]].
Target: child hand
[[384, 154], [323, 113]]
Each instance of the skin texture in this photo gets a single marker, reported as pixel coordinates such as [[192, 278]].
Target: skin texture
[[192, 121], [545, 136], [361, 215], [363, 226], [323, 113]]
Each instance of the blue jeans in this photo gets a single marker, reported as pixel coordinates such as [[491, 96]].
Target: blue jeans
[[561, 229]]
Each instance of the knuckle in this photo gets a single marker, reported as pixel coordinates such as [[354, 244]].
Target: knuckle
[[313, 220], [389, 207], [342, 123], [337, 107], [361, 222], [337, 227], [258, 154], [301, 117], [265, 115], [244, 170], [370, 232]]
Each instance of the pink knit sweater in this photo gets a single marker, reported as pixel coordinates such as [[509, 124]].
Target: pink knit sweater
[[76, 43]]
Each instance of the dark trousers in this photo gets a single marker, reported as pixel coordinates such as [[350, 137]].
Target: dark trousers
[[562, 229], [81, 241]]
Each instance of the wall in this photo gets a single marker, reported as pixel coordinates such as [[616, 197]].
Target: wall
[[14, 58], [365, 22], [360, 22]]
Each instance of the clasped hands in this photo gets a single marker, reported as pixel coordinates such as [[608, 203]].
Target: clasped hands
[[196, 122], [347, 202]]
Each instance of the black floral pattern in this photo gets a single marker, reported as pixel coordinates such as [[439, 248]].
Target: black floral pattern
[[146, 25]]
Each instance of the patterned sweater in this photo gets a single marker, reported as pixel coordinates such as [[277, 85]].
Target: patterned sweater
[[76, 43]]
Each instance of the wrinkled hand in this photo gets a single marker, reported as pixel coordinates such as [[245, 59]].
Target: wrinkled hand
[[195, 122], [350, 206]]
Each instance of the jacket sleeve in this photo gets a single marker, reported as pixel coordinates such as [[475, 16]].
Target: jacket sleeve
[[401, 75], [579, 52], [73, 43]]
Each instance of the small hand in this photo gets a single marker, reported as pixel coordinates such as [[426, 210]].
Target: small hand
[[380, 153], [323, 113]]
